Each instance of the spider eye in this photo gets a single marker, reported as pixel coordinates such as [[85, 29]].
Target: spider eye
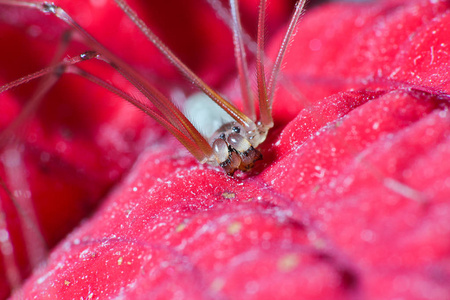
[[222, 136], [236, 129]]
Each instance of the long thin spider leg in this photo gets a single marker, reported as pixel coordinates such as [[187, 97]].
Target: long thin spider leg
[[226, 17], [161, 102], [181, 136], [12, 270], [225, 105], [241, 61], [27, 4], [13, 162], [264, 110], [26, 79], [52, 70], [282, 51]]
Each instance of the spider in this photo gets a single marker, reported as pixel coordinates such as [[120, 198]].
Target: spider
[[232, 146]]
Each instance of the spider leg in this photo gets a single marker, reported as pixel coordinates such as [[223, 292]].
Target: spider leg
[[282, 51], [241, 61], [264, 110]]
